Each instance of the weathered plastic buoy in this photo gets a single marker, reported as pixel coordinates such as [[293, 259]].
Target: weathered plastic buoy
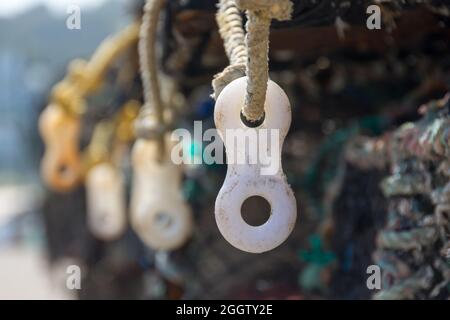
[[60, 166], [245, 180], [106, 201], [159, 213]]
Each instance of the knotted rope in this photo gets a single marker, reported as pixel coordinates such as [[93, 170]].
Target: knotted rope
[[229, 20], [150, 123], [254, 49]]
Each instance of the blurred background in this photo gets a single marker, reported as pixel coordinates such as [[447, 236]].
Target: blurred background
[[36, 47], [344, 82]]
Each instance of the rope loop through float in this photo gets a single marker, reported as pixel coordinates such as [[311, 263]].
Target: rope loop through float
[[159, 214], [60, 122], [240, 98], [249, 54]]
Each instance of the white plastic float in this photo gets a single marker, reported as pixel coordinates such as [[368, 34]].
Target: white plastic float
[[245, 180], [106, 201], [158, 211]]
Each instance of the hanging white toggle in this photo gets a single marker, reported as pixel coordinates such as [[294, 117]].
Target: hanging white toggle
[[244, 180], [105, 188], [159, 213]]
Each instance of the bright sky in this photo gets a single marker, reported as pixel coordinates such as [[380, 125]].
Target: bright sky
[[12, 7]]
